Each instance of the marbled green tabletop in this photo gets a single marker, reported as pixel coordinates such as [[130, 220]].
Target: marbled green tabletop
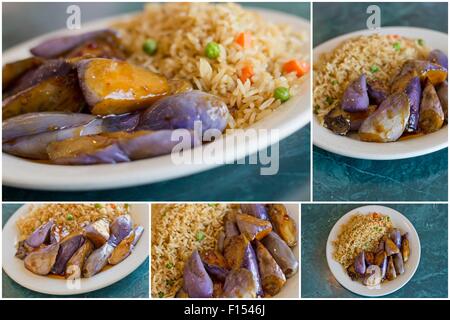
[[135, 285], [338, 178], [430, 279], [230, 182]]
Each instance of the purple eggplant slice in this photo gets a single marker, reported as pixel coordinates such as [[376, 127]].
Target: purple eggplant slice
[[239, 284], [14, 70], [49, 69], [120, 228], [258, 210], [40, 236], [75, 265], [86, 150], [391, 274], [398, 264], [117, 87], [97, 260], [414, 93], [235, 250], [126, 246], [60, 93], [283, 224], [355, 97], [35, 146], [147, 144], [253, 228], [405, 250], [33, 123], [442, 91], [360, 263], [97, 232], [431, 114], [282, 254], [272, 277], [396, 237], [438, 57], [376, 91], [215, 264], [197, 282], [182, 111], [67, 248], [421, 68], [251, 264], [373, 276], [388, 122], [390, 247], [42, 260], [56, 47]]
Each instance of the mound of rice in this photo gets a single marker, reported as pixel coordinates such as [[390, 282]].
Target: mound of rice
[[182, 30], [361, 232], [335, 70], [177, 230], [70, 217]]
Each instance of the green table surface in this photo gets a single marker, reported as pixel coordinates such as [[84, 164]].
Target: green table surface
[[430, 279], [135, 285], [338, 178], [229, 182]]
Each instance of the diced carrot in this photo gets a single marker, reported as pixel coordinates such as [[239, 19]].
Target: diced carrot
[[244, 39], [299, 67], [246, 73]]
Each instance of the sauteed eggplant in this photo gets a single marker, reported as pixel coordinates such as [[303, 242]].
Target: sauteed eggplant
[[384, 264], [78, 92], [81, 254], [256, 260], [415, 102]]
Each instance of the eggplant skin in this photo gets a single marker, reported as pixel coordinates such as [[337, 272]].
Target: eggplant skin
[[442, 91], [431, 114], [56, 47], [356, 98], [14, 70], [388, 122], [197, 282], [116, 87], [182, 111], [438, 57], [239, 284], [54, 94]]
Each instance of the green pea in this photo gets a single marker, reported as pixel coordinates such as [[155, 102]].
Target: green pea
[[396, 46], [374, 69], [421, 42], [150, 46], [98, 206], [199, 236], [161, 294], [69, 217], [212, 50], [169, 265], [282, 94]]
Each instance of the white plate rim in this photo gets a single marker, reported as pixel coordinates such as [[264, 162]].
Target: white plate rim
[[22, 173], [337, 269], [14, 268], [328, 141]]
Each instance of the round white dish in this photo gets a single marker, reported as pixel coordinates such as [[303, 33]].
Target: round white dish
[[399, 221], [352, 147], [18, 172], [16, 270], [291, 288]]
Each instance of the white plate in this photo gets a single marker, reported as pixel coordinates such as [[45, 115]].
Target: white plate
[[399, 221], [350, 146], [16, 270], [291, 288], [17, 172]]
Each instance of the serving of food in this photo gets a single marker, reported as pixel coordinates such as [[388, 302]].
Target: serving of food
[[224, 250], [91, 243], [379, 88], [371, 253], [117, 94]]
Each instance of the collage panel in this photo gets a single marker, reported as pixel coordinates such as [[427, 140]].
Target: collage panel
[[241, 71], [366, 54], [225, 250], [374, 250], [75, 250]]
